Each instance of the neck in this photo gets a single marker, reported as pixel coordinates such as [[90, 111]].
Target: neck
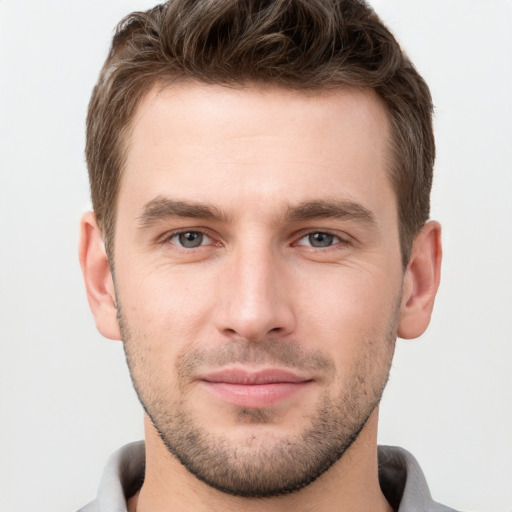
[[351, 484]]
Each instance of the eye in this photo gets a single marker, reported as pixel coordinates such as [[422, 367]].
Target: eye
[[319, 240], [190, 239]]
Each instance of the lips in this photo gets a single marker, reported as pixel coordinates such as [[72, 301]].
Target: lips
[[254, 389]]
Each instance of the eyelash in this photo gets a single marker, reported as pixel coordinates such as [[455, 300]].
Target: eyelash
[[169, 236], [339, 240]]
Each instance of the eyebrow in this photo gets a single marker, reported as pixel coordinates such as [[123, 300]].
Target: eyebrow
[[331, 209], [162, 208]]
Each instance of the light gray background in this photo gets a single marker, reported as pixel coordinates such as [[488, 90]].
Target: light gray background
[[66, 399]]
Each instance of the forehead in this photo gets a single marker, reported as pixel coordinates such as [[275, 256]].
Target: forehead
[[256, 143]]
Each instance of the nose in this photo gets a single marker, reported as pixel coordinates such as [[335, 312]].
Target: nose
[[254, 299]]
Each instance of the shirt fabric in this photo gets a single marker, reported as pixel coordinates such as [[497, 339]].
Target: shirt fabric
[[400, 476]]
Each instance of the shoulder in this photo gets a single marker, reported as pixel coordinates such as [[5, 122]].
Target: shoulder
[[403, 482], [121, 479]]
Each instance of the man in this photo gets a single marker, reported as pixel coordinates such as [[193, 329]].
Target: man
[[260, 175]]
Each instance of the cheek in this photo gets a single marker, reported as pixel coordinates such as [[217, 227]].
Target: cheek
[[166, 300], [162, 314], [347, 310], [357, 328]]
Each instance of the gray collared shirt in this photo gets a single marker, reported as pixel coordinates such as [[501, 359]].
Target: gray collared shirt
[[400, 475]]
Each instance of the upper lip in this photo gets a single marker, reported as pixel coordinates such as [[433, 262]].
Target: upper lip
[[253, 377]]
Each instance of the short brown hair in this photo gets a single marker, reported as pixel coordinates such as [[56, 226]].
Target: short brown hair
[[297, 44]]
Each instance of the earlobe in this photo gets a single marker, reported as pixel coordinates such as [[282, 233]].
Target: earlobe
[[98, 278], [421, 282]]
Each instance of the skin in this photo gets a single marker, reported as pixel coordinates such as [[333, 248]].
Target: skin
[[255, 294]]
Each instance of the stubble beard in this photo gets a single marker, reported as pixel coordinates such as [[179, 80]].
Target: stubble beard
[[261, 465]]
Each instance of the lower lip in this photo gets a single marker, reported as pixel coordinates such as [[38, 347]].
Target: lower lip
[[255, 395]]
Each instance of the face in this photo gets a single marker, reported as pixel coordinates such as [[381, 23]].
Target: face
[[258, 277]]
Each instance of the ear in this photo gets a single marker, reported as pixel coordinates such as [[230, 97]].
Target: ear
[[421, 282], [98, 278]]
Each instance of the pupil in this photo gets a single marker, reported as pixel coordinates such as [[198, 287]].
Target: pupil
[[191, 239], [321, 239]]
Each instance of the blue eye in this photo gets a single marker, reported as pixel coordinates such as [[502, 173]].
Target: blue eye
[[190, 239], [319, 240]]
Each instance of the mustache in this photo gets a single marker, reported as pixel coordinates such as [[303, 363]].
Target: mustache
[[271, 352]]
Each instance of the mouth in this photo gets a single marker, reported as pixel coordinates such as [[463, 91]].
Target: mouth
[[254, 389]]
